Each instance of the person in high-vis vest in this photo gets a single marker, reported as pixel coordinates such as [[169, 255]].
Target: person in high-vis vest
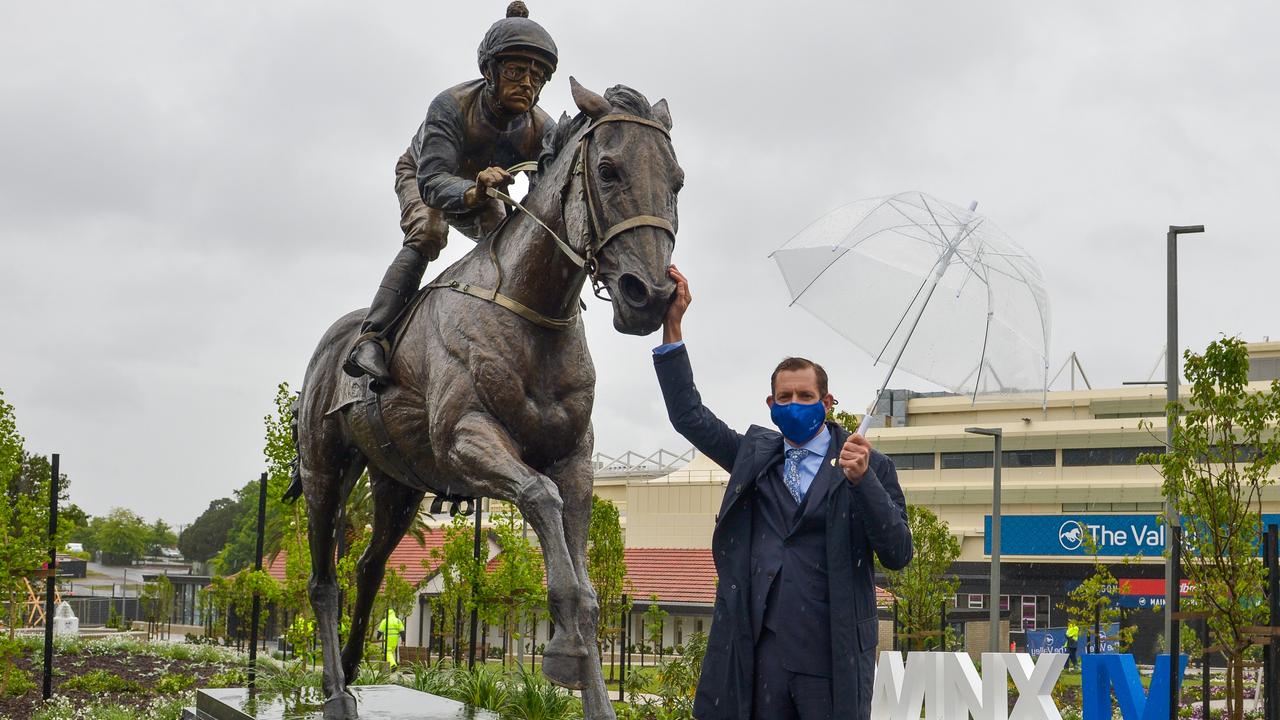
[[391, 628], [1073, 644]]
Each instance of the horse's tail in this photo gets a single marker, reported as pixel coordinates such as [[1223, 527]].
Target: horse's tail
[[294, 491]]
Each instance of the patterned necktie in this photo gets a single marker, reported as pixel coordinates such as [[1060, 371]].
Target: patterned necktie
[[791, 473]]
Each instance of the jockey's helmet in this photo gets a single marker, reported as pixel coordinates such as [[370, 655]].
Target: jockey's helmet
[[516, 34]]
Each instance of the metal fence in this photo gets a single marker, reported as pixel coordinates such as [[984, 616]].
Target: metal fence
[[97, 610]]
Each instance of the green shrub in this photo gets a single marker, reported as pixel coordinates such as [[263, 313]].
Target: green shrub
[[96, 682], [231, 677], [481, 687], [212, 654], [432, 678], [678, 676], [185, 653], [15, 682], [532, 697], [373, 673], [174, 683], [287, 678]]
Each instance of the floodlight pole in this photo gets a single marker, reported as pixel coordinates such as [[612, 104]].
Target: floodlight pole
[[1171, 375], [996, 434]]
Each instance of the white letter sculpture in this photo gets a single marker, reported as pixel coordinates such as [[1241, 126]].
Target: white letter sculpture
[[946, 686]]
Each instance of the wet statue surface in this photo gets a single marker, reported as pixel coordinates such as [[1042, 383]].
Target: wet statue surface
[[377, 702], [491, 384]]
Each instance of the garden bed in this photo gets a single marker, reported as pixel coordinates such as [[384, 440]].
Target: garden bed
[[117, 678]]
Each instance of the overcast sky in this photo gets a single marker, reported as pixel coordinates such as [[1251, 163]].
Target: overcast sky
[[190, 193]]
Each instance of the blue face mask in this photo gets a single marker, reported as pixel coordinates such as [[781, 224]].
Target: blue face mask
[[797, 421]]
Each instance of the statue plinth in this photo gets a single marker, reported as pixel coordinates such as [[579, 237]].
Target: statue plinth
[[375, 702]]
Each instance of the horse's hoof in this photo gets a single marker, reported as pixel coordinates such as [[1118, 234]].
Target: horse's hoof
[[564, 644], [563, 670], [341, 707]]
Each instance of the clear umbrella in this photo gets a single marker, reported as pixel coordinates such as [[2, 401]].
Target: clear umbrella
[[934, 288]]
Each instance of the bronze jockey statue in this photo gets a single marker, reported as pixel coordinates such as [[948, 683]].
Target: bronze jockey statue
[[472, 133]]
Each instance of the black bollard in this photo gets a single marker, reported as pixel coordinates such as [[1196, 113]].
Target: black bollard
[[1267, 551], [1272, 688], [475, 619], [942, 626], [895, 624], [257, 601], [49, 581], [622, 674], [1175, 603], [1097, 629], [457, 634], [1204, 670]]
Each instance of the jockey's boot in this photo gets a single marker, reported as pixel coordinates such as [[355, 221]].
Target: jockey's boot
[[369, 355]]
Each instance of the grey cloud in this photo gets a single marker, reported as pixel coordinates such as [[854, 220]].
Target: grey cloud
[[190, 194]]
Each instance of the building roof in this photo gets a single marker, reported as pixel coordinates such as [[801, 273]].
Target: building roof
[[407, 558], [675, 575], [683, 575]]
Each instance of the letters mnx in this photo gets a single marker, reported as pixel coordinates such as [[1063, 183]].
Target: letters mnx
[[946, 686]]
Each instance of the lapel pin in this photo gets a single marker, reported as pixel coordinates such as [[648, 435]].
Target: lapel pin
[[833, 462]]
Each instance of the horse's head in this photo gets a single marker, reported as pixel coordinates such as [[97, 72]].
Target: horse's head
[[631, 177]]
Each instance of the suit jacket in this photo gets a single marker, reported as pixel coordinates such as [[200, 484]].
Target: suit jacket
[[862, 521]]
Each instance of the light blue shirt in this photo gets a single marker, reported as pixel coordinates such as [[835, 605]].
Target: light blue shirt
[[817, 446]]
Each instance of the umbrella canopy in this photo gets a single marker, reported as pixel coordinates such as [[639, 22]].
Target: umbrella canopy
[[928, 286]]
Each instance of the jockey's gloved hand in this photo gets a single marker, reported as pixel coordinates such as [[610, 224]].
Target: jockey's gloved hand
[[492, 177]]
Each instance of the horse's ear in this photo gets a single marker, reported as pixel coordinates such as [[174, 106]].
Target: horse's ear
[[662, 113], [588, 102]]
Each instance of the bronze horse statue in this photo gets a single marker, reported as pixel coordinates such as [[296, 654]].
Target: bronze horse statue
[[493, 382]]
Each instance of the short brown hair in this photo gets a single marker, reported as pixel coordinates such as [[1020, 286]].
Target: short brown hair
[[798, 363]]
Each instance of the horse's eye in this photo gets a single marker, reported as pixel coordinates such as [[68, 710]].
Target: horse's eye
[[608, 172]]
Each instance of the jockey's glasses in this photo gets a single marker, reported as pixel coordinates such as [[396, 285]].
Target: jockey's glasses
[[517, 70]]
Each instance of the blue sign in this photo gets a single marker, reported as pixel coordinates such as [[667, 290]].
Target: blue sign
[[1050, 640], [1104, 675], [1114, 535], [1054, 640]]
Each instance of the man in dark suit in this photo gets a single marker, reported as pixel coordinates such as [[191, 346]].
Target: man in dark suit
[[795, 629]]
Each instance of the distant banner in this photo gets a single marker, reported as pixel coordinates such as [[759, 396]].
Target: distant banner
[[1054, 640], [1114, 535]]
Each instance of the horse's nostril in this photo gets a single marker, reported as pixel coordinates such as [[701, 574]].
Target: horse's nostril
[[634, 291]]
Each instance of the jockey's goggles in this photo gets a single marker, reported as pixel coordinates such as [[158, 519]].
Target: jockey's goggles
[[517, 70]]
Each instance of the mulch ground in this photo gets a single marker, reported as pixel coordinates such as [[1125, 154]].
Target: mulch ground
[[143, 669]]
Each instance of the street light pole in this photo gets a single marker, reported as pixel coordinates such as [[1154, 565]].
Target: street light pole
[[996, 434], [1171, 379]]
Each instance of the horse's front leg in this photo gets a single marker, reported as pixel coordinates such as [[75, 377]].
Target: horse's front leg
[[575, 478], [395, 507], [480, 450]]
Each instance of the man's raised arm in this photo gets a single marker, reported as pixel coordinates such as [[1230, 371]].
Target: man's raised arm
[[708, 433]]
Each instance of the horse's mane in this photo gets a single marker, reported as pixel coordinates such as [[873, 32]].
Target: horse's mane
[[622, 98]]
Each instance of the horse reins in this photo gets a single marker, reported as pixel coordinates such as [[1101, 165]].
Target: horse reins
[[596, 240]]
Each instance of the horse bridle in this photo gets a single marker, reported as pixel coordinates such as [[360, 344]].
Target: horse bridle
[[596, 239], [581, 166]]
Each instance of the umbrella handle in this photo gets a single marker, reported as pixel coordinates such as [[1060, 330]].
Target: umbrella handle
[[866, 420]]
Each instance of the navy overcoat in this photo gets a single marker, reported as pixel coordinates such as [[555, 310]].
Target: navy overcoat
[[864, 519]]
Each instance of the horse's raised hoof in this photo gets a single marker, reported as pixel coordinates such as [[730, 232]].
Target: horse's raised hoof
[[341, 707], [563, 670]]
